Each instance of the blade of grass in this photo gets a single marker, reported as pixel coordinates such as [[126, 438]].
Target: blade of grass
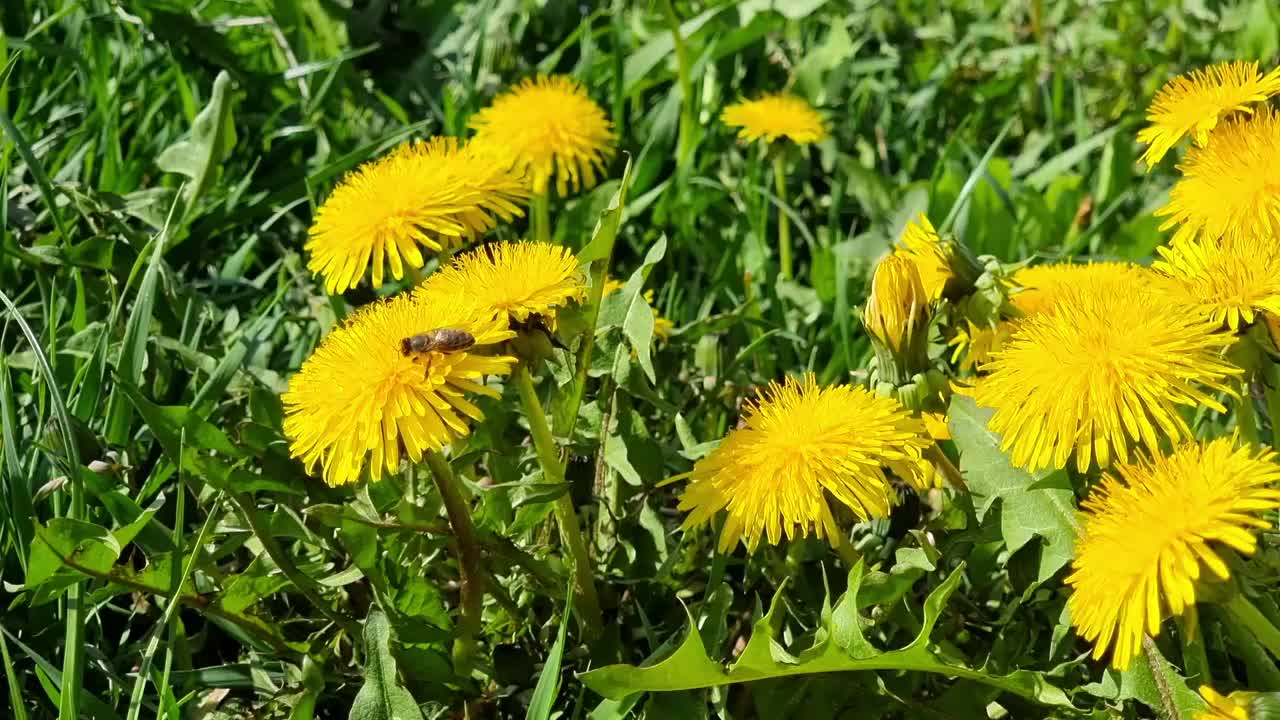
[[15, 688], [73, 660], [975, 175]]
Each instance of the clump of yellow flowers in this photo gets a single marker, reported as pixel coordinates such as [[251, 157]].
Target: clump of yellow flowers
[[1103, 370]]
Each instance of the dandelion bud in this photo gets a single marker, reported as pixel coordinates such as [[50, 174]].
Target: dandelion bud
[[947, 268], [897, 319]]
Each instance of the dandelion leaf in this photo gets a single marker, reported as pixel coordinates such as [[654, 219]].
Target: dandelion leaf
[[382, 697], [839, 646], [1031, 505]]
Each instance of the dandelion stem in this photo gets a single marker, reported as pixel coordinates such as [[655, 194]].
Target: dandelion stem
[[470, 577], [784, 227], [1254, 622], [1157, 665], [566, 513], [849, 554], [949, 470], [542, 217], [1246, 416], [309, 588]]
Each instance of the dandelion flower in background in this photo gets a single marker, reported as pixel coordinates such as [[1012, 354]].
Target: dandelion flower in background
[[358, 400], [1192, 104], [1145, 538], [435, 195], [1229, 280], [1230, 187], [775, 116], [515, 280], [1041, 288], [797, 443], [1225, 707], [921, 245], [549, 126], [1100, 372]]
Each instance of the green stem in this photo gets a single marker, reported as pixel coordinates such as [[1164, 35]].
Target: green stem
[[1255, 622], [470, 576], [1261, 669], [1246, 416], [1195, 663], [684, 74], [309, 588], [1156, 662], [784, 226], [542, 216], [949, 470], [849, 554], [566, 513]]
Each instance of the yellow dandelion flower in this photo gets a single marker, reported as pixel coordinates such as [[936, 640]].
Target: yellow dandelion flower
[[1102, 371], [549, 126], [1192, 104], [975, 344], [774, 116], [435, 195], [921, 245], [1225, 707], [1144, 540], [1230, 186], [360, 400], [1040, 288], [897, 310], [795, 445], [1230, 281], [518, 281]]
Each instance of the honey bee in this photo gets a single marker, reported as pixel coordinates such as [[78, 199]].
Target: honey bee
[[441, 340]]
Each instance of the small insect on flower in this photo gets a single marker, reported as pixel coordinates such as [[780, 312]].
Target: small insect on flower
[[442, 340]]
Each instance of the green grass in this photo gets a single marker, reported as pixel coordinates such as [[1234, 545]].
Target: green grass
[[160, 165]]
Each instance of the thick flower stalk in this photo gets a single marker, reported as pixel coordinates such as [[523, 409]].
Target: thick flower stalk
[[1149, 530]]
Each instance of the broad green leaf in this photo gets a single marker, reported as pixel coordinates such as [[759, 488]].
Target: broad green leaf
[[75, 544], [211, 139], [840, 647], [637, 325], [1031, 505], [382, 697]]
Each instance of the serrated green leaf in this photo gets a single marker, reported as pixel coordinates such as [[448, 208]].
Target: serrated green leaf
[[382, 697], [637, 325], [1031, 505], [199, 155], [71, 544], [689, 668]]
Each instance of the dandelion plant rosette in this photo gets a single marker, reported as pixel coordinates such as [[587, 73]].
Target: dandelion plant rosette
[[796, 445], [1149, 530], [361, 402], [421, 197]]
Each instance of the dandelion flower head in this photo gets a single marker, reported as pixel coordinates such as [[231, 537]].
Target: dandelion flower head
[[920, 244], [1229, 280], [1100, 372], [359, 401], [797, 444], [1225, 707], [430, 195], [514, 280], [1041, 288], [1192, 104], [775, 116], [1146, 535], [1230, 187], [549, 126], [897, 307]]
